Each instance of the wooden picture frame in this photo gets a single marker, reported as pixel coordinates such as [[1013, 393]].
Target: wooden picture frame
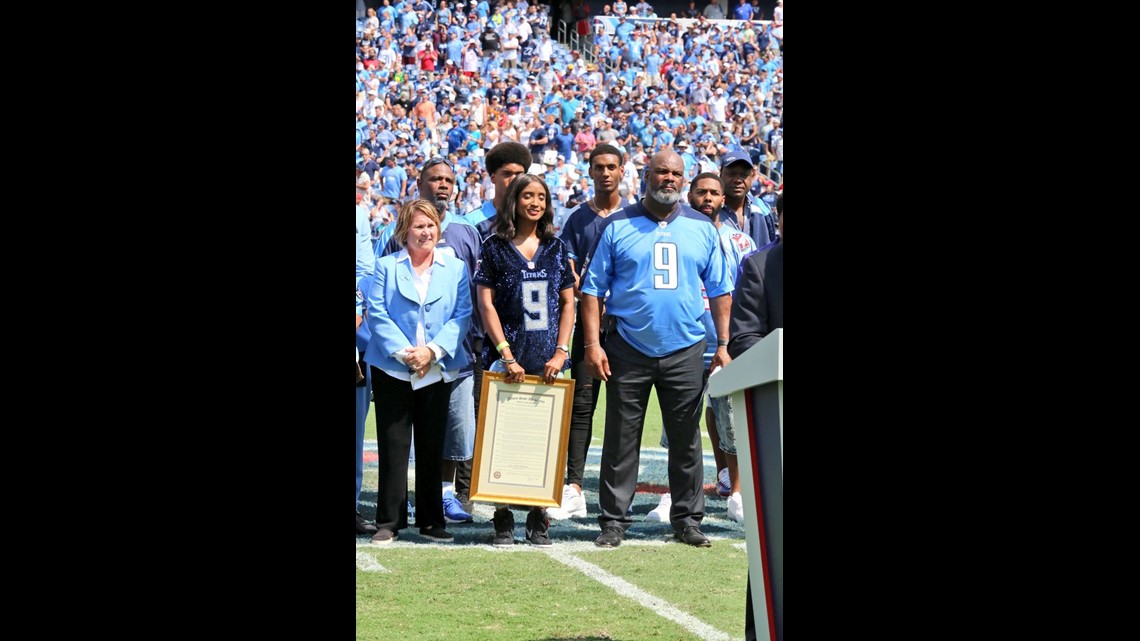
[[521, 440]]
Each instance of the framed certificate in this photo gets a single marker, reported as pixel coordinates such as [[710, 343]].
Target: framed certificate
[[520, 441]]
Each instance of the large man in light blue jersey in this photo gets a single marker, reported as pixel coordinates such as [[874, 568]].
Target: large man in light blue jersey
[[653, 258]]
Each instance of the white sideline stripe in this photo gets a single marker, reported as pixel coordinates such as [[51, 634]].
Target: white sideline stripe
[[367, 563], [630, 591]]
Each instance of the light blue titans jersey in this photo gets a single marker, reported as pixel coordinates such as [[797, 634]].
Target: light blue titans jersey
[[476, 216], [654, 271]]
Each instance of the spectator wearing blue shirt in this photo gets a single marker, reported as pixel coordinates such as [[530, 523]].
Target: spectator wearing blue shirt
[[456, 136], [624, 28], [743, 11], [564, 141], [394, 179], [654, 258], [653, 66]]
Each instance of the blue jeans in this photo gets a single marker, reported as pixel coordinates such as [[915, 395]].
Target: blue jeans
[[459, 437], [362, 402], [725, 426]]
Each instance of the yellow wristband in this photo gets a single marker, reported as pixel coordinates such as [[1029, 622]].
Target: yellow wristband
[[500, 346]]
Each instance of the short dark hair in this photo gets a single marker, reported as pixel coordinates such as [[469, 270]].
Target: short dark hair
[[709, 175], [604, 149], [505, 218], [507, 153]]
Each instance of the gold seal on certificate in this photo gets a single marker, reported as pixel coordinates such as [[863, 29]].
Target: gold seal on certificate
[[520, 441]]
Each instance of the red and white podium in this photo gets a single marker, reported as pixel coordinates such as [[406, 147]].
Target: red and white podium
[[756, 383]]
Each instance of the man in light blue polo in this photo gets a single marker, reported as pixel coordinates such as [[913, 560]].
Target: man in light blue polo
[[653, 257]]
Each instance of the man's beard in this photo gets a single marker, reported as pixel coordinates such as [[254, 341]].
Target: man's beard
[[662, 197], [441, 207]]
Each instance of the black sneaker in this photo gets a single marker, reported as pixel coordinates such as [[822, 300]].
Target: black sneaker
[[611, 537], [363, 528], [384, 536], [504, 523], [436, 533], [466, 503], [537, 526], [693, 536]]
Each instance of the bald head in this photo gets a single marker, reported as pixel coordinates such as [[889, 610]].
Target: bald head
[[665, 158], [665, 180]]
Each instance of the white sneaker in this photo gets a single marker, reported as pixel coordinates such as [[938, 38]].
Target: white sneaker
[[736, 508], [573, 504], [661, 512]]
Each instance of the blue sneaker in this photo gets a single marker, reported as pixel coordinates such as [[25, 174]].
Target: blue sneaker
[[723, 484], [453, 510]]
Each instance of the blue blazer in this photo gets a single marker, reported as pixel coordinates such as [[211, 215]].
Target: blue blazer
[[394, 309]]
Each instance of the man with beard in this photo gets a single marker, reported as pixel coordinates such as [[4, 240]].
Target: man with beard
[[437, 184], [653, 257]]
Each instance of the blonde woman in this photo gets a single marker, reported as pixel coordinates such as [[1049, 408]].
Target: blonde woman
[[419, 310]]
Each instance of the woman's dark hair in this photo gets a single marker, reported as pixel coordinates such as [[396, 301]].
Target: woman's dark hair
[[505, 218]]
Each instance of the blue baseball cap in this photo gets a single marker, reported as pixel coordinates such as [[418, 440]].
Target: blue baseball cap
[[736, 155]]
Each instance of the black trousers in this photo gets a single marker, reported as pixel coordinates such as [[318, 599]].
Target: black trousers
[[586, 392], [678, 378], [398, 408]]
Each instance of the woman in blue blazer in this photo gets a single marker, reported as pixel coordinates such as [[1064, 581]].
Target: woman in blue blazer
[[419, 310]]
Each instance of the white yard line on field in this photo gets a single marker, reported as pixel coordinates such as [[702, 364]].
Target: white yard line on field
[[632, 592], [367, 562]]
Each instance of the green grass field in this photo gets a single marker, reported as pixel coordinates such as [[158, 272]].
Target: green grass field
[[650, 588]]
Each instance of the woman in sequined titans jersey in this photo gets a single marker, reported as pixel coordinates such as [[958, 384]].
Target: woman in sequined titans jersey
[[525, 291]]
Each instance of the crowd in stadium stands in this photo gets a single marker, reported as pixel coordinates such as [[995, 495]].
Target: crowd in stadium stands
[[458, 78], [440, 84]]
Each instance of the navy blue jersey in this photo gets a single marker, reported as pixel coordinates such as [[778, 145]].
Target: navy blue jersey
[[581, 229], [654, 271], [526, 299]]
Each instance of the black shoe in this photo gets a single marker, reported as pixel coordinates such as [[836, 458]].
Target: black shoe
[[364, 528], [537, 529], [611, 537], [504, 523], [693, 536], [436, 533], [384, 536]]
